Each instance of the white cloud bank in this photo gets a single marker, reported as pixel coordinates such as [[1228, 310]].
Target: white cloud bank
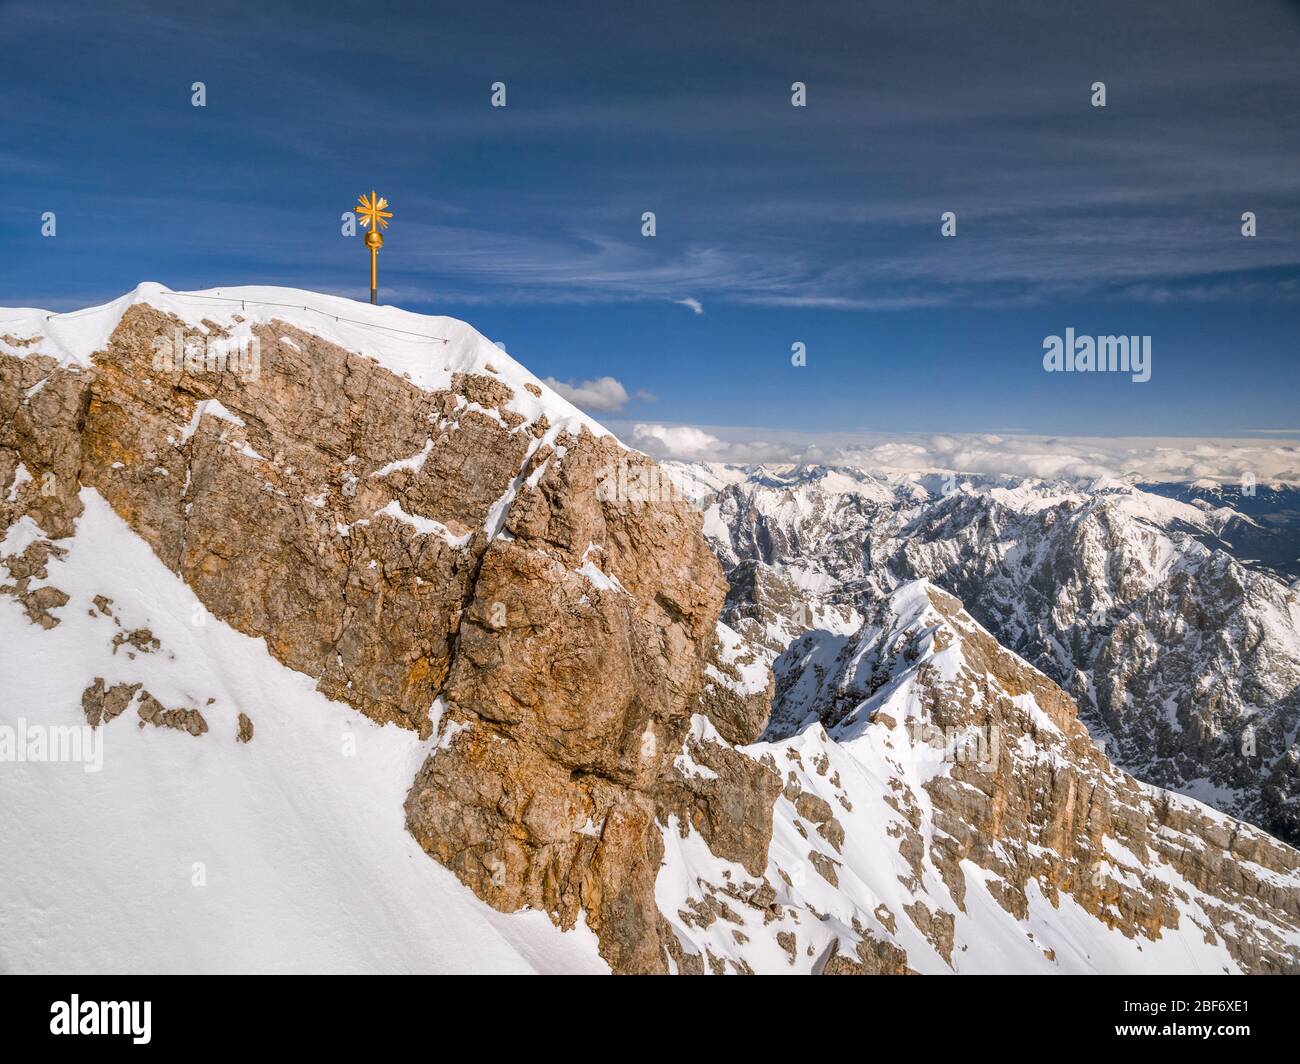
[[1145, 458], [676, 441], [605, 394]]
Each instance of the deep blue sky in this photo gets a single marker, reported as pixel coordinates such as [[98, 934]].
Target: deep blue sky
[[818, 225]]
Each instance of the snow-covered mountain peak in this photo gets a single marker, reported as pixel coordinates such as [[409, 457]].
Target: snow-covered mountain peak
[[389, 508]]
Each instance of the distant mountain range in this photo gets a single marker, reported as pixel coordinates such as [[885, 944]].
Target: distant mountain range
[[1165, 612], [1265, 535]]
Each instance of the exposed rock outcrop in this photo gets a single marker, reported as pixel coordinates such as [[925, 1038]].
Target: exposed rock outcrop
[[579, 657]]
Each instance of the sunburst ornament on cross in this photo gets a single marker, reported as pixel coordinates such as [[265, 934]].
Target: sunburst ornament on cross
[[374, 214]]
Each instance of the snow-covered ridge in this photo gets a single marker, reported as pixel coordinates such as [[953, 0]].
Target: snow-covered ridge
[[909, 734], [424, 349], [780, 486]]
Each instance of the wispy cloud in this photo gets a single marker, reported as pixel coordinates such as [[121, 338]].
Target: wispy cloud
[[913, 110]]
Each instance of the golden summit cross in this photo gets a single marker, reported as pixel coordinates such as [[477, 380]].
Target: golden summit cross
[[374, 215]]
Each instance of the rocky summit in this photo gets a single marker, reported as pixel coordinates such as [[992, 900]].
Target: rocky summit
[[422, 679]]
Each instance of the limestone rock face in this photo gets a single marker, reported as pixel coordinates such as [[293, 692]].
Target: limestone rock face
[[725, 795], [410, 547], [270, 498], [738, 688], [579, 658], [41, 411]]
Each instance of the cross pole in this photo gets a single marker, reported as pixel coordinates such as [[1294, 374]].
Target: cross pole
[[374, 217]]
